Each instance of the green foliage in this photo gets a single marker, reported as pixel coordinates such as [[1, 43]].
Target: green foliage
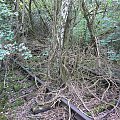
[[7, 43], [17, 87], [5, 25], [109, 1], [80, 30], [112, 41], [5, 30], [23, 50], [107, 26], [3, 101]]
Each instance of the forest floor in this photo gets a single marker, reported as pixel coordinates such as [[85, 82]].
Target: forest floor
[[22, 97]]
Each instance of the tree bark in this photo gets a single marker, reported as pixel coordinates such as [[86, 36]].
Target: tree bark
[[90, 22]]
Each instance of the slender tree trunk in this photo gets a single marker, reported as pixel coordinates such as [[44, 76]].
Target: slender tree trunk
[[17, 10], [67, 28], [63, 15], [30, 14], [90, 23], [61, 31]]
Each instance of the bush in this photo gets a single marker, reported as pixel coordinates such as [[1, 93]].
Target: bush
[[7, 43]]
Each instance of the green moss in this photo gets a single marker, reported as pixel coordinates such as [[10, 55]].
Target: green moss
[[102, 107], [99, 109], [3, 102], [17, 87], [88, 113], [3, 117], [111, 105], [1, 87], [17, 103]]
